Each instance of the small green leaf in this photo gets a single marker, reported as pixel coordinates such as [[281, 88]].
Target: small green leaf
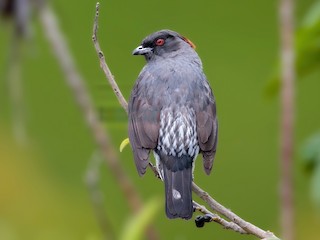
[[123, 144], [310, 154], [137, 225], [310, 151]]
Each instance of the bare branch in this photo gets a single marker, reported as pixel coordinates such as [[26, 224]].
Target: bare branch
[[216, 218], [214, 205], [76, 83], [103, 63], [92, 181], [237, 224], [287, 117], [15, 87], [83, 99]]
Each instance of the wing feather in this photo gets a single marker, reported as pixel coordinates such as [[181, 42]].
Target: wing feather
[[207, 127], [143, 125]]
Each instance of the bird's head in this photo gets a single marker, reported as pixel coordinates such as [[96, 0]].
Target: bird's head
[[164, 44]]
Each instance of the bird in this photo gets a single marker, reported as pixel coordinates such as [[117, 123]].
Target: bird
[[172, 113]]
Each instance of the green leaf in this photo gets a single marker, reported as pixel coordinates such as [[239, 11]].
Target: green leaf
[[123, 144], [137, 225], [310, 154], [310, 151]]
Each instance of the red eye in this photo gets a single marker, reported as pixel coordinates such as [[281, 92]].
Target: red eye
[[160, 42]]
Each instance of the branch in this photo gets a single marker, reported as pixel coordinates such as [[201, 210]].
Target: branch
[[82, 97], [96, 196], [214, 205], [237, 224], [216, 218], [15, 89], [104, 65], [287, 117]]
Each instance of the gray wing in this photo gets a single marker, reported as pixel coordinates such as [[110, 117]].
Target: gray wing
[[143, 124], [207, 126]]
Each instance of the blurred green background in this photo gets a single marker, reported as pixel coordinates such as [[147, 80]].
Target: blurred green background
[[42, 189]]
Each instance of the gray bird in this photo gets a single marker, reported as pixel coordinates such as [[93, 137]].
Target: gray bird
[[172, 112]]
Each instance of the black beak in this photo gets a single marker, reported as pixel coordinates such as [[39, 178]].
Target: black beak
[[142, 50]]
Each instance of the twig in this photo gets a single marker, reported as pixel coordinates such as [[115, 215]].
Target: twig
[[245, 226], [76, 83], [91, 180], [242, 225], [287, 118], [103, 63], [214, 205], [216, 218], [15, 85], [19, 14]]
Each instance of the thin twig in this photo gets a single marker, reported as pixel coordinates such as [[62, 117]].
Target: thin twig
[[214, 205], [103, 63], [287, 117], [15, 85], [245, 226], [92, 181], [76, 83], [216, 218]]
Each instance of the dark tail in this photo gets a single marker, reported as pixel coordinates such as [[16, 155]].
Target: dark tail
[[178, 193]]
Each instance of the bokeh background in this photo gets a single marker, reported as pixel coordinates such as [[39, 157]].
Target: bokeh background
[[42, 165]]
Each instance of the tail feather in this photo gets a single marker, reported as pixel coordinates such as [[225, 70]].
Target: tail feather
[[178, 193]]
